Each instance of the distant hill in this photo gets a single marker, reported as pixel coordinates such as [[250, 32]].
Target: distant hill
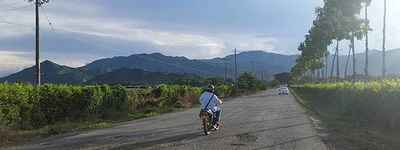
[[50, 73], [154, 62], [375, 63], [154, 67], [139, 76], [265, 64]]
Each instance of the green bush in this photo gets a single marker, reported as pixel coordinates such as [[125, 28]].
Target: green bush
[[24, 106], [375, 103], [168, 94], [14, 104], [224, 90]]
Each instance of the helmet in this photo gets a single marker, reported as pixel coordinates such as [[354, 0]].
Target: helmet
[[209, 88]]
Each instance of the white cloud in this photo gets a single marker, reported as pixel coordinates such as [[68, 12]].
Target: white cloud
[[17, 23], [10, 59], [76, 19]]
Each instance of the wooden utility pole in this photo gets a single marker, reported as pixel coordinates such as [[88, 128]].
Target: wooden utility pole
[[252, 67], [236, 75], [326, 63], [226, 75], [337, 61], [323, 69], [38, 3], [383, 41], [37, 73], [326, 66]]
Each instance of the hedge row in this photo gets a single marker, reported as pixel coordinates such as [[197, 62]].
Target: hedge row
[[24, 106], [375, 103]]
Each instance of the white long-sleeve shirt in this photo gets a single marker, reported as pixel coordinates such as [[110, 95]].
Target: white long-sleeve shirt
[[215, 101]]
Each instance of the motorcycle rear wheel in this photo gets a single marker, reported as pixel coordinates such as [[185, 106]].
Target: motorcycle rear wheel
[[205, 127]]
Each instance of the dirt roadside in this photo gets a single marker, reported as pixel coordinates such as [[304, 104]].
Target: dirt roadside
[[331, 139]]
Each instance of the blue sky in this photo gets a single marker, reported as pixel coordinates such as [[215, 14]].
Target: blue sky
[[88, 30]]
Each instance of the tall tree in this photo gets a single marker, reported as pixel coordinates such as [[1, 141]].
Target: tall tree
[[283, 77], [347, 62], [356, 30], [367, 4], [335, 21], [383, 41]]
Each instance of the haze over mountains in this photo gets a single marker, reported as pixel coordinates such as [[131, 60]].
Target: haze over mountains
[[158, 68]]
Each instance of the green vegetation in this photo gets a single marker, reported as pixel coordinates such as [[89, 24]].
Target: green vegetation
[[248, 82], [366, 113], [337, 20], [134, 76], [284, 77], [51, 109]]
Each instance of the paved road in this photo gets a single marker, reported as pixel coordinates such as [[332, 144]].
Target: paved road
[[261, 121]]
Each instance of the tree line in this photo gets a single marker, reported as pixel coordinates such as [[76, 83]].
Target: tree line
[[336, 21]]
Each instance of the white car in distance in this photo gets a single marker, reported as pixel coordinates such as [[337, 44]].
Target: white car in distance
[[283, 90]]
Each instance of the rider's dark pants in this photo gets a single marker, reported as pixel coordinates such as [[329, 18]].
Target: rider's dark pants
[[217, 115]]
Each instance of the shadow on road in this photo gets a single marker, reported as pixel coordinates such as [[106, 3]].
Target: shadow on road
[[164, 142]]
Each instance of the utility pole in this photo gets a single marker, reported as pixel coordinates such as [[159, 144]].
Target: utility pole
[[252, 67], [383, 41], [323, 69], [262, 76], [38, 3], [236, 75], [326, 63], [226, 75], [37, 44]]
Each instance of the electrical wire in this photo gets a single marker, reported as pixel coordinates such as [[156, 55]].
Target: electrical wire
[[115, 49], [16, 8], [124, 22], [128, 24], [119, 50], [15, 23], [12, 4], [55, 33]]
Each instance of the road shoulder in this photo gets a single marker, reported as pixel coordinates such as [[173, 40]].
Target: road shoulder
[[330, 138]]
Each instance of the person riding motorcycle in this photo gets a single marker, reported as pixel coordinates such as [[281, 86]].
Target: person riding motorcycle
[[213, 101]]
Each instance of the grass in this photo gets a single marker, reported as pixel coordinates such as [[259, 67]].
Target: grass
[[353, 129], [7, 133]]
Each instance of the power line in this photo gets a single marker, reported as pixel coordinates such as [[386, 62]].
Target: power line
[[115, 49], [119, 50], [12, 4], [119, 20], [16, 8], [15, 23], [128, 24], [55, 33]]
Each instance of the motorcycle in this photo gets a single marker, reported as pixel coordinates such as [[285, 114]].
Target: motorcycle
[[207, 117]]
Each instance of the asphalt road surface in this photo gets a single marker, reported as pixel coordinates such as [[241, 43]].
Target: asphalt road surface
[[260, 121]]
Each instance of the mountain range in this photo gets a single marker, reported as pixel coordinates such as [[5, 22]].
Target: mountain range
[[158, 68], [374, 64]]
